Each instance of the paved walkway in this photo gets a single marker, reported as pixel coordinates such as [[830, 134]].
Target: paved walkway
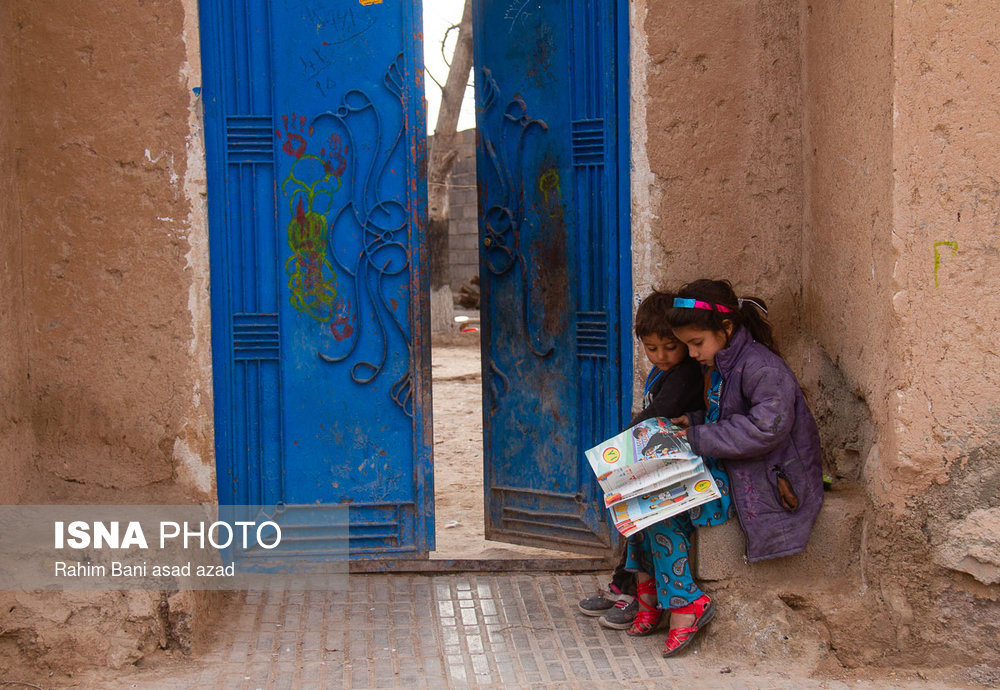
[[447, 631]]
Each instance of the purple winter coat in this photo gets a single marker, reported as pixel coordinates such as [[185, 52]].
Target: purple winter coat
[[765, 436]]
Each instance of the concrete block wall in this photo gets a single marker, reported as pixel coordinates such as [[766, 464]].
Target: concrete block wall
[[463, 231]]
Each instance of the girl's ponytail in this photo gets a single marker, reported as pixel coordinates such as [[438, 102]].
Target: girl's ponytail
[[754, 310], [716, 303]]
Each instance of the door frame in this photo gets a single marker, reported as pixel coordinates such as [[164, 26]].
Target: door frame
[[419, 310], [623, 67]]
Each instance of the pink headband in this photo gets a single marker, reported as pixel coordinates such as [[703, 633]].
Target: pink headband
[[685, 303]]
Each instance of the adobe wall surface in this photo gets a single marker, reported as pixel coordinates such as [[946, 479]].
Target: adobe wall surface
[[717, 182], [848, 256], [16, 440], [118, 402], [104, 300], [943, 478], [838, 159], [947, 215]]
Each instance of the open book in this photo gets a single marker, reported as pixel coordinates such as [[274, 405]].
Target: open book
[[649, 473]]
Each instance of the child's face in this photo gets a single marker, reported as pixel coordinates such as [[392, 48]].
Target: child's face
[[704, 344], [663, 353]]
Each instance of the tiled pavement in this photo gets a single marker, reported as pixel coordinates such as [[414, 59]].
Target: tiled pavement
[[445, 631]]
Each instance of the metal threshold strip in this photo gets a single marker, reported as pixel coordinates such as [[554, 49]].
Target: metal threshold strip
[[483, 565]]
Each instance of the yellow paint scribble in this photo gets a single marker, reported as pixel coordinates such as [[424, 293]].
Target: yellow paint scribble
[[937, 256], [370, 2]]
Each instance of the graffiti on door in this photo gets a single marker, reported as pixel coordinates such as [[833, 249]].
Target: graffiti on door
[[348, 227], [503, 133]]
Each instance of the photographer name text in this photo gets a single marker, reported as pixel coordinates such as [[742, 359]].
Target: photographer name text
[[117, 569]]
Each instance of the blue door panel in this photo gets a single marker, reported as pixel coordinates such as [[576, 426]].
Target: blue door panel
[[315, 142], [554, 263]]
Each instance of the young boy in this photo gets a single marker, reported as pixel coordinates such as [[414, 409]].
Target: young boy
[[673, 387]]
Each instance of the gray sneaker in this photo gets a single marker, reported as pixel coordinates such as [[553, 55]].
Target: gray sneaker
[[621, 615], [602, 602]]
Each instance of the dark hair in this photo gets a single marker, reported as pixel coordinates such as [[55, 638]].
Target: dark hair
[[748, 312], [651, 318]]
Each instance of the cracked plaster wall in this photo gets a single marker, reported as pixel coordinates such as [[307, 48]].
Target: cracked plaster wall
[[943, 475], [847, 255], [902, 239], [946, 206]]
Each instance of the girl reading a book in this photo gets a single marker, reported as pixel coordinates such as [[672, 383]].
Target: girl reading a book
[[757, 436], [672, 387]]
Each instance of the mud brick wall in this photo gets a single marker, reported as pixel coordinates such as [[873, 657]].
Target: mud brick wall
[[837, 159], [847, 239], [939, 459], [107, 262], [901, 253], [17, 442], [716, 124], [106, 397]]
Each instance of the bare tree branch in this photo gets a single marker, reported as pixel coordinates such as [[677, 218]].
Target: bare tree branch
[[428, 72], [444, 43]]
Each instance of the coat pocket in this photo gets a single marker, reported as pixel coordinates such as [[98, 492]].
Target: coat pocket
[[784, 490]]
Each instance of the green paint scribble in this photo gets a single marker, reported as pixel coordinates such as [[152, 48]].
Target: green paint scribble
[[549, 184], [937, 256], [311, 278]]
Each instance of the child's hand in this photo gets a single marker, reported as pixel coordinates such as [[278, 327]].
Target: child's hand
[[682, 421]]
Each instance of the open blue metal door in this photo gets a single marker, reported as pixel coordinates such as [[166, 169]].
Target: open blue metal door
[[552, 166], [315, 139]]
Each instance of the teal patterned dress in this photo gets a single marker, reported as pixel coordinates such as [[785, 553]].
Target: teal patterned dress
[[661, 550]]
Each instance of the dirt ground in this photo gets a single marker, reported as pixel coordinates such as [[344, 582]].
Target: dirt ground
[[458, 456]]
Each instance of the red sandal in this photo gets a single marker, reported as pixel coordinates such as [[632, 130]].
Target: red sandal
[[679, 638], [648, 616]]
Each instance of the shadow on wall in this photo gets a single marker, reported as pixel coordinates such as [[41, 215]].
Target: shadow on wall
[[846, 426]]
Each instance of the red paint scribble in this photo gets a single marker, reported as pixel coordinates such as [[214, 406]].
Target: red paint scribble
[[294, 145], [334, 156], [341, 327], [329, 160]]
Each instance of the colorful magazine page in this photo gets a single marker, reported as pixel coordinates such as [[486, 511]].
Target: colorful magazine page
[[653, 451], [638, 513], [658, 476], [658, 438]]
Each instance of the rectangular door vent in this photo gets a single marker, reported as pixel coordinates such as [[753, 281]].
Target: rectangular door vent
[[249, 139], [592, 334], [255, 336], [588, 142]]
